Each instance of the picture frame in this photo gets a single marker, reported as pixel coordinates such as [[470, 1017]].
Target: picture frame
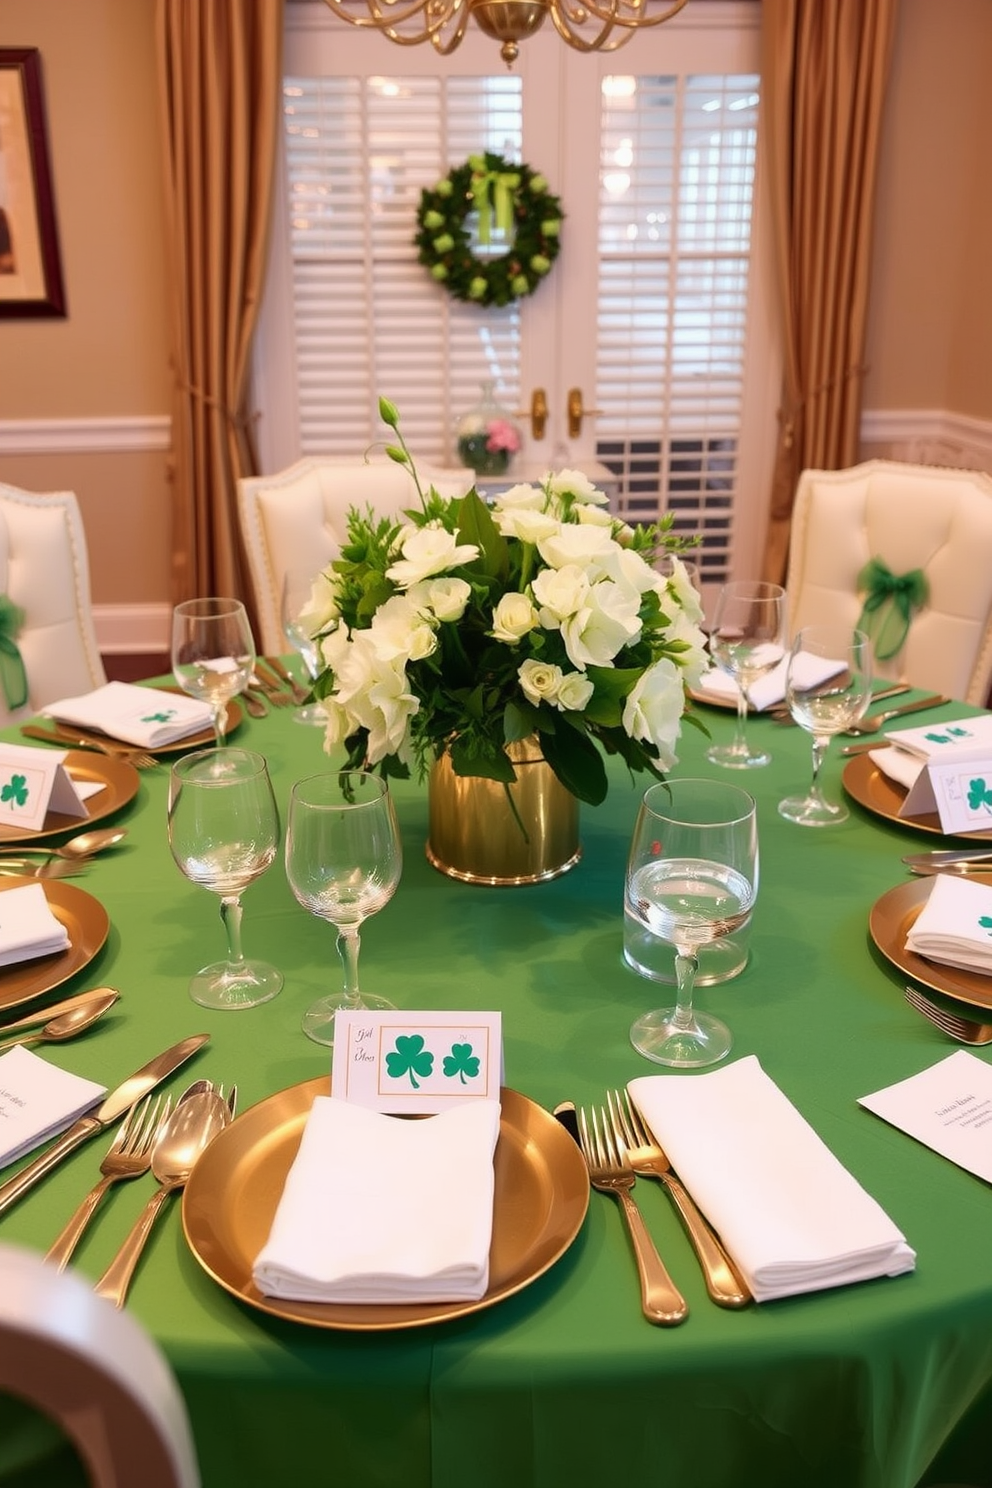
[[30, 266]]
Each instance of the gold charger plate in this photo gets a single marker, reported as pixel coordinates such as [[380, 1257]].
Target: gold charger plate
[[120, 785], [872, 789], [88, 925], [890, 921], [541, 1196]]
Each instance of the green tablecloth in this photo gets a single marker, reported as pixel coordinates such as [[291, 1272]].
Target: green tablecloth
[[563, 1385]]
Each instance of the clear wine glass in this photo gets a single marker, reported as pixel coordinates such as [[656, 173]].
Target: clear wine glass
[[343, 862], [224, 833], [213, 653], [297, 586], [692, 877], [825, 705], [747, 640]]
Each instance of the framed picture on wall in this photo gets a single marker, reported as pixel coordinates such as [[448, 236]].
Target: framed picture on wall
[[30, 269]]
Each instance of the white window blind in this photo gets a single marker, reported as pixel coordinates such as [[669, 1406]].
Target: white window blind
[[676, 184], [367, 318]]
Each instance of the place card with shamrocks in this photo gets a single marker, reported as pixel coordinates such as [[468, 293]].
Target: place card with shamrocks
[[956, 780], [34, 782], [416, 1062]]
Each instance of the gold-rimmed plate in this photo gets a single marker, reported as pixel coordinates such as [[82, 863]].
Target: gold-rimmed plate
[[88, 925], [540, 1201], [872, 789], [890, 921], [119, 782]]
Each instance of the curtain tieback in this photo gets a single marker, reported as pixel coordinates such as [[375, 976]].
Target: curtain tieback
[[237, 420], [890, 603], [13, 677]]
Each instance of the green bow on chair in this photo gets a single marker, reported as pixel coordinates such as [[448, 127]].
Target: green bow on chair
[[891, 601], [13, 677], [503, 185]]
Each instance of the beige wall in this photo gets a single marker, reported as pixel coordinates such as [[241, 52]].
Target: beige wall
[[930, 330]]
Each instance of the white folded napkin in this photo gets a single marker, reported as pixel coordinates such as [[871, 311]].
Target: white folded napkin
[[718, 685], [899, 766], [381, 1209], [37, 1099], [145, 716], [954, 927], [28, 928], [792, 1216]]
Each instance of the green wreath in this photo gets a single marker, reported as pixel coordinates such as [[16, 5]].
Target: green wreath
[[510, 197]]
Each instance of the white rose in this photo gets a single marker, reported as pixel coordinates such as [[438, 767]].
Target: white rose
[[574, 692], [606, 623], [595, 516], [513, 617], [653, 710], [574, 483], [444, 598], [560, 592], [526, 525], [375, 692], [697, 660], [399, 630], [322, 606], [427, 551], [685, 592], [540, 681], [339, 724], [576, 542], [521, 496]]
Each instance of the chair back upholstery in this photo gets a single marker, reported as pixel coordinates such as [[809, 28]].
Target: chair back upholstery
[[296, 519], [911, 517], [96, 1373], [44, 570]]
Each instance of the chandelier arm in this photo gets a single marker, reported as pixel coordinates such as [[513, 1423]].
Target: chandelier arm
[[378, 19], [565, 30], [445, 47], [639, 22]]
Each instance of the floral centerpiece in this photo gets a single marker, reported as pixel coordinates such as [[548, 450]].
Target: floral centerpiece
[[467, 628], [485, 445]]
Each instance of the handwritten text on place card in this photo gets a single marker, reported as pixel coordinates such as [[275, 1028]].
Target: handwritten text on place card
[[416, 1061]]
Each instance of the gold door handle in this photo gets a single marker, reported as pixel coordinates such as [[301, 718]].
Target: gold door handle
[[576, 412], [538, 413]]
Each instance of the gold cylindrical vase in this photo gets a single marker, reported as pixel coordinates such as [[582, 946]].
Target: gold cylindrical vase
[[476, 835]]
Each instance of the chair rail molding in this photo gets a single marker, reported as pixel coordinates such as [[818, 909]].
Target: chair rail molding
[[927, 437], [133, 629], [78, 436]]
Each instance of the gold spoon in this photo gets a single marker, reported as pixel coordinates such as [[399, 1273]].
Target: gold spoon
[[66, 1025], [189, 1130], [82, 846]]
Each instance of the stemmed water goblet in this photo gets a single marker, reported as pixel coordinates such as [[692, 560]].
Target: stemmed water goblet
[[297, 586], [213, 653], [224, 833], [824, 707], [747, 640], [692, 877], [343, 862]]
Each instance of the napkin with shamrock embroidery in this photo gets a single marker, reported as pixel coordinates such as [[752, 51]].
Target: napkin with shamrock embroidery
[[380, 1209], [792, 1216], [955, 925], [28, 928], [719, 687], [145, 716]]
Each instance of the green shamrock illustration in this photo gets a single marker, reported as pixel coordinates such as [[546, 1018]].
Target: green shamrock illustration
[[409, 1057], [461, 1062], [986, 922], [159, 717], [16, 790], [979, 795]]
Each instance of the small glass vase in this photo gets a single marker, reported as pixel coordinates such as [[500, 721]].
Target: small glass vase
[[487, 435]]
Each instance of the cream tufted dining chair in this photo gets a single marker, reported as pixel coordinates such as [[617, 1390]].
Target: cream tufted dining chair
[[44, 572], [296, 518], [96, 1373], [909, 517]]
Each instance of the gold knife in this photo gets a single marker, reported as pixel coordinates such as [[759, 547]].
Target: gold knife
[[112, 1108], [300, 693], [57, 734], [68, 1005]]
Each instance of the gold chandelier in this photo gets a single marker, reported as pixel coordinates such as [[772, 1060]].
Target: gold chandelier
[[587, 25]]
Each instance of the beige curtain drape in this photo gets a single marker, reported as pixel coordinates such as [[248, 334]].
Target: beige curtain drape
[[824, 69], [220, 70]]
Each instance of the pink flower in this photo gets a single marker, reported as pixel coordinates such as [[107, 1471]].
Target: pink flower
[[501, 435]]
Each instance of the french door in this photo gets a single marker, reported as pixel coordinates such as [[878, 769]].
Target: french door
[[649, 344]]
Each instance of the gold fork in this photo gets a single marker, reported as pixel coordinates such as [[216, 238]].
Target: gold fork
[[648, 1158], [965, 1030], [62, 734], [661, 1301], [128, 1156], [271, 690]]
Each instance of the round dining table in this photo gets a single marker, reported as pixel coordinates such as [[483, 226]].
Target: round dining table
[[562, 1383]]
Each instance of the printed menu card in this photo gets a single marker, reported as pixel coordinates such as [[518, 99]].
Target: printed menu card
[[947, 1107]]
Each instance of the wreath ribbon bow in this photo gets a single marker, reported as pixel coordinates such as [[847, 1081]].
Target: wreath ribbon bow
[[502, 185], [13, 677], [890, 603]]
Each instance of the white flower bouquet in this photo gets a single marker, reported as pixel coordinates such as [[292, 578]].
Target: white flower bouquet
[[468, 627]]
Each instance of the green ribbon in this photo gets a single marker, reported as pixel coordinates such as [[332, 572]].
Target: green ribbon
[[493, 193], [13, 677], [890, 603]]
